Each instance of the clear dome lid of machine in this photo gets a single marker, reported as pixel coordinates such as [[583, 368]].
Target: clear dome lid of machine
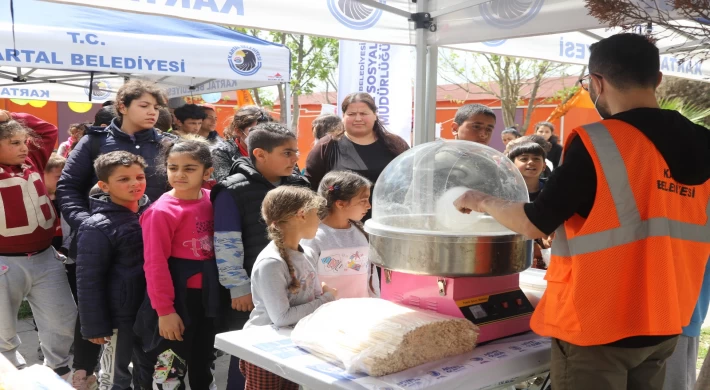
[[415, 193]]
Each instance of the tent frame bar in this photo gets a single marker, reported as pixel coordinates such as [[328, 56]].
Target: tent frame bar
[[426, 63], [386, 8]]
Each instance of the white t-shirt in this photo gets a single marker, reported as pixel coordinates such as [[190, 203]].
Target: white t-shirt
[[343, 261]]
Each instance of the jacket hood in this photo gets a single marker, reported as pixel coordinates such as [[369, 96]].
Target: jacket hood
[[101, 203], [684, 145]]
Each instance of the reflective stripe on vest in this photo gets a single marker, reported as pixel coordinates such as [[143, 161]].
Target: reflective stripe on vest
[[631, 228]]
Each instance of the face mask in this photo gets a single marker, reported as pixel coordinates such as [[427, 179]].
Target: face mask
[[597, 108]]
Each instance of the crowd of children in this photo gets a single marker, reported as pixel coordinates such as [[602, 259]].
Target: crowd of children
[[156, 263], [127, 230]]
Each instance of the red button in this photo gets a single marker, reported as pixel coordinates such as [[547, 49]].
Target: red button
[[519, 301], [505, 305]]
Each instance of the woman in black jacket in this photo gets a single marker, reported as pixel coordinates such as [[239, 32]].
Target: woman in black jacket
[[362, 146], [234, 145], [547, 130]]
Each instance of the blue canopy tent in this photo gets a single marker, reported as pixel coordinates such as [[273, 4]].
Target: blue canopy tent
[[61, 52]]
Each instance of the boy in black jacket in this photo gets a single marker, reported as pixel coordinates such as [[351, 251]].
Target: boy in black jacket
[[110, 278], [239, 230]]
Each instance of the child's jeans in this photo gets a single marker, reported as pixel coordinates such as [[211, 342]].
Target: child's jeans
[[42, 279]]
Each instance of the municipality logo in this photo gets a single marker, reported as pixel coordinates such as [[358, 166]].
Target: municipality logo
[[244, 60], [495, 43], [510, 13], [354, 14], [99, 89]]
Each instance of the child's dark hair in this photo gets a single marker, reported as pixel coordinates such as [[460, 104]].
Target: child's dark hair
[[527, 147], [106, 164], [344, 186], [326, 124], [133, 90], [244, 118], [105, 115], [538, 139], [280, 205], [190, 111], [267, 136], [165, 120], [55, 161], [511, 130], [197, 147], [11, 128]]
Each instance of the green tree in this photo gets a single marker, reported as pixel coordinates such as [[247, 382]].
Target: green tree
[[510, 79], [314, 61], [687, 91], [695, 113]]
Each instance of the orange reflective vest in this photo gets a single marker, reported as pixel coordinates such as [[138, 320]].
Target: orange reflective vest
[[635, 266]]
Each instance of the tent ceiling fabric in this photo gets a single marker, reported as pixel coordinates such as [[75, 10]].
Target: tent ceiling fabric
[[562, 29], [346, 19], [66, 43]]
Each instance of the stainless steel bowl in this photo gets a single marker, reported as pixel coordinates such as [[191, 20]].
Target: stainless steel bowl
[[402, 243]]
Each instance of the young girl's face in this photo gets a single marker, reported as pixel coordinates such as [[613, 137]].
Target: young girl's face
[[530, 165], [185, 173], [358, 206], [14, 150], [507, 138], [544, 132], [142, 113]]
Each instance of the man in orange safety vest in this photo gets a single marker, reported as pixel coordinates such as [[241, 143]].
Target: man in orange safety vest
[[630, 206]]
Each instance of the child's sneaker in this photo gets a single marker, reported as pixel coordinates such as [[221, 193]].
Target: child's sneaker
[[82, 382]]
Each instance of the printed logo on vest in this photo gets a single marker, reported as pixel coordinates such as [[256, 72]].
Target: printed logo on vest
[[353, 14]]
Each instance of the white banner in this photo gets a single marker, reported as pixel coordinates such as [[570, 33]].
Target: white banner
[[383, 71], [184, 57], [334, 18], [573, 48]]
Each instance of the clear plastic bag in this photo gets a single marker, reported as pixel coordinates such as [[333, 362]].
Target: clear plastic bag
[[379, 337]]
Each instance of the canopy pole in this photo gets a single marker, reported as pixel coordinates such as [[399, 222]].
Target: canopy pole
[[420, 82], [286, 111], [430, 113]]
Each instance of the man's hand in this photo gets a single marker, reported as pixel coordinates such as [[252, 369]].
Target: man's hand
[[5, 116], [471, 200], [171, 327], [100, 340], [243, 303]]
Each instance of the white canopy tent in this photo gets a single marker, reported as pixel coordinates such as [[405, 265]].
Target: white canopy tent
[[71, 53], [561, 27]]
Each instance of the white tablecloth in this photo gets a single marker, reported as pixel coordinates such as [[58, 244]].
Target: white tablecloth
[[492, 366]]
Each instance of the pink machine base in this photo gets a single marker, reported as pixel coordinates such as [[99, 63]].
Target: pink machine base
[[495, 304]]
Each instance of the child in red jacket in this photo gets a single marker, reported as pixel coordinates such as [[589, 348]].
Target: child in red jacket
[[29, 266]]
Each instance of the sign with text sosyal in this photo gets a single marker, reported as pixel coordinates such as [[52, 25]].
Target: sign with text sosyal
[[383, 71]]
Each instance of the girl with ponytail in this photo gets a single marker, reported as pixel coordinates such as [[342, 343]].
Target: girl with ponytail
[[341, 244], [284, 282]]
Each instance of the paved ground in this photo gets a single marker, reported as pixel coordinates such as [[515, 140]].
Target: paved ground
[[30, 343]]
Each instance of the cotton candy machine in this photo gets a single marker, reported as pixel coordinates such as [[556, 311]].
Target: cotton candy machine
[[438, 259]]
